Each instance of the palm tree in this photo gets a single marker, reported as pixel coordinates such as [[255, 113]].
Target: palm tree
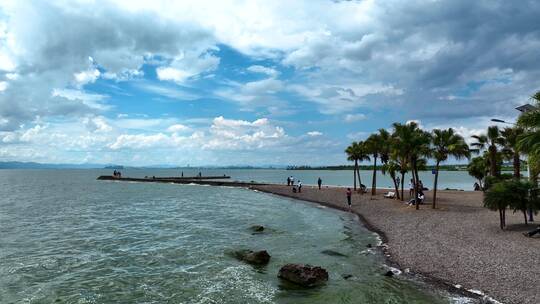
[[511, 149], [356, 152], [401, 160], [392, 167], [378, 145], [529, 141], [490, 141], [516, 194], [446, 143], [412, 143], [478, 169]]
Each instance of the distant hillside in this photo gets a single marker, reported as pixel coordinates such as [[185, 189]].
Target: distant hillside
[[33, 165]]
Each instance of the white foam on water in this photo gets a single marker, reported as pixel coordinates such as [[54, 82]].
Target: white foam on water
[[461, 300], [379, 239], [235, 278], [484, 296], [394, 270]]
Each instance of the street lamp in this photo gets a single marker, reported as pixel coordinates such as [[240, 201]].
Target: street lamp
[[502, 121]]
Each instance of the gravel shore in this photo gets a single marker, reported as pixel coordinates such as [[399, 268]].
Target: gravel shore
[[459, 242]]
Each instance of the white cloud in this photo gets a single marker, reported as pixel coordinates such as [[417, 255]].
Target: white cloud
[[314, 133], [169, 92], [176, 128], [3, 86], [88, 76], [173, 74], [263, 70], [97, 124], [354, 117], [93, 101], [6, 63], [188, 65], [140, 141]]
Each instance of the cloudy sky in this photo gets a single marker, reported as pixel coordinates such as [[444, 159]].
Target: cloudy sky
[[252, 82]]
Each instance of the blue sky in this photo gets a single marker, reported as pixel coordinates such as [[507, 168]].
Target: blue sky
[[252, 82]]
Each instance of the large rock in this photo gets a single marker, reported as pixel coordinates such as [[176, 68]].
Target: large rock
[[253, 257], [305, 275], [257, 228]]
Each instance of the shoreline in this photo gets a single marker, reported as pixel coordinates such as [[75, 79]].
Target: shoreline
[[457, 247], [383, 248]]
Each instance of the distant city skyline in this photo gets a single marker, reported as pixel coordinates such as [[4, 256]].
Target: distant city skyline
[[222, 83]]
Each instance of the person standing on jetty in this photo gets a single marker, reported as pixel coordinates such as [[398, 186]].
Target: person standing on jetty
[[319, 182], [349, 194], [299, 186], [288, 180], [292, 180]]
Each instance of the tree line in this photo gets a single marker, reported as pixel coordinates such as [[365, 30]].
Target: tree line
[[407, 148]]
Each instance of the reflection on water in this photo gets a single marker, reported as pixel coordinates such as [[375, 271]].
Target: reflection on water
[[67, 238]]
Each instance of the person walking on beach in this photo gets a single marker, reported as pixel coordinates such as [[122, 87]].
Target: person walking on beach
[[292, 180], [288, 180], [411, 188], [319, 182], [299, 186], [349, 194]]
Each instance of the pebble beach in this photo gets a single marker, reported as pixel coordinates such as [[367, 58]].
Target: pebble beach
[[459, 243]]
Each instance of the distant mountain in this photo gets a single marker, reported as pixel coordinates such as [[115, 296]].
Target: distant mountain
[[33, 165]]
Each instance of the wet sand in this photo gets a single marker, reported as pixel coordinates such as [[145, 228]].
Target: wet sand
[[458, 243]]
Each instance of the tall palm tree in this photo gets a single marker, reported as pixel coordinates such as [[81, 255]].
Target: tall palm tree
[[356, 152], [446, 143], [490, 141], [529, 141], [511, 149], [378, 146], [401, 160], [478, 169], [412, 144], [392, 168]]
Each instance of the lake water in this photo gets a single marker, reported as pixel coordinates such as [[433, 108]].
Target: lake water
[[447, 179], [68, 238]]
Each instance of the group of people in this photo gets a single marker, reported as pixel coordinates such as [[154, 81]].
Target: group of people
[[298, 187], [419, 192], [117, 174], [295, 188]]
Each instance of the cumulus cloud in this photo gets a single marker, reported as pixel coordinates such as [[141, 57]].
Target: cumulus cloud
[[53, 50], [177, 128], [263, 70], [354, 117], [437, 61]]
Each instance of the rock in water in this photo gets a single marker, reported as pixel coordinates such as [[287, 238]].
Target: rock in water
[[257, 228], [305, 275], [333, 253], [389, 273], [253, 257]]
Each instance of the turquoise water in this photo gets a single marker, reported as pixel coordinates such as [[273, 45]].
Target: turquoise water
[[67, 238]]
